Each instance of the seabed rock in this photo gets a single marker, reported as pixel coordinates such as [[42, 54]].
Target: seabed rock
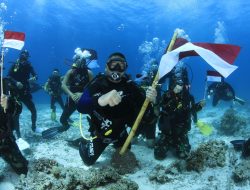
[[231, 122], [211, 154], [126, 163], [162, 174], [48, 174], [241, 172]]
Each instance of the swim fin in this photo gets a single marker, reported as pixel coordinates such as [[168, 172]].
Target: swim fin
[[51, 132], [238, 144], [239, 100], [204, 128]]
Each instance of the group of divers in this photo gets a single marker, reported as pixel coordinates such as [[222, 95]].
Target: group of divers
[[112, 101]]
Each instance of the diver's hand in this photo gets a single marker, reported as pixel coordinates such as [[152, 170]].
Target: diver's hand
[[111, 98], [4, 101], [76, 96], [151, 94], [19, 85]]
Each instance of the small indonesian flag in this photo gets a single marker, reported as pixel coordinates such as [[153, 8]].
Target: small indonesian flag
[[13, 40], [219, 56], [214, 76]]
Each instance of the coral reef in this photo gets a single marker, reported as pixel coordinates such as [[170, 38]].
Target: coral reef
[[241, 172], [124, 164], [162, 175], [211, 154], [48, 174], [231, 122], [122, 185], [44, 165]]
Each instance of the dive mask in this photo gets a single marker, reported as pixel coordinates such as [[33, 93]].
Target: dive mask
[[117, 64]]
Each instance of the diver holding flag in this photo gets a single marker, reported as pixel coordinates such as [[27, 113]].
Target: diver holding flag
[[9, 148]]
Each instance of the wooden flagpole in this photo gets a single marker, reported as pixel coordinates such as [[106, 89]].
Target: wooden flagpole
[[1, 64], [145, 104]]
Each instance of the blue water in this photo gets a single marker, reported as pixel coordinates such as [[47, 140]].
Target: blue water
[[55, 28]]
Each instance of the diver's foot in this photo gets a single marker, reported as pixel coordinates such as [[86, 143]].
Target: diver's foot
[[160, 152]]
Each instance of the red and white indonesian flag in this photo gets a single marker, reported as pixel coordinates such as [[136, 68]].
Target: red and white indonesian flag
[[214, 76], [219, 56], [13, 40]]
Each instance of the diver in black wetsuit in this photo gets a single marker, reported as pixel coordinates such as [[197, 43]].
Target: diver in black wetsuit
[[73, 84], [21, 73], [177, 108], [9, 150], [222, 91], [175, 122], [113, 102], [53, 87]]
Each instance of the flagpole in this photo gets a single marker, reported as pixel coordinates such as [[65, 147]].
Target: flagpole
[[1, 64], [145, 104]]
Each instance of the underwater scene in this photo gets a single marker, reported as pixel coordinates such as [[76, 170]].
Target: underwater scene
[[124, 95]]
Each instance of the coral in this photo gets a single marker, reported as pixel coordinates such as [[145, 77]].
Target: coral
[[48, 174], [211, 154], [163, 175], [231, 122], [124, 164], [102, 176], [44, 165], [241, 172], [123, 185]]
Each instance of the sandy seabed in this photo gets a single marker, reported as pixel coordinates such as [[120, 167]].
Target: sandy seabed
[[210, 178]]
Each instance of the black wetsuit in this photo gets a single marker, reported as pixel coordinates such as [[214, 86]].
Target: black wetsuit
[[147, 127], [20, 72], [175, 122], [221, 91], [77, 82], [9, 150], [55, 91], [108, 124]]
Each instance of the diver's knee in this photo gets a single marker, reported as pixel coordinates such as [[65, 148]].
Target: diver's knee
[[86, 158]]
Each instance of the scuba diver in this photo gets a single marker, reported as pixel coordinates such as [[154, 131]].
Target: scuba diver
[[113, 103], [53, 87], [9, 150], [177, 107], [22, 73], [222, 91], [147, 127], [73, 84]]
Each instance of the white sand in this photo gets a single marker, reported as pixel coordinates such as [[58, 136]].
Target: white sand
[[220, 178]]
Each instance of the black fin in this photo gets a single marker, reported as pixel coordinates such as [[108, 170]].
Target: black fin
[[51, 132]]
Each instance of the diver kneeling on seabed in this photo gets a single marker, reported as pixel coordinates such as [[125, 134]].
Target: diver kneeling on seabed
[[113, 101]]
